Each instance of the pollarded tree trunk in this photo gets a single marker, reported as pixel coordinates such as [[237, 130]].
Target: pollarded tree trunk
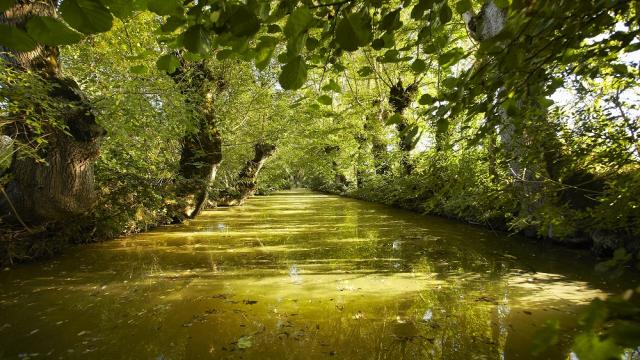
[[361, 139], [62, 186], [199, 162], [201, 151], [340, 179], [400, 98], [374, 126], [247, 182]]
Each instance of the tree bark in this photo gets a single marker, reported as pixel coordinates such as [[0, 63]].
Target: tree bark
[[517, 137], [61, 186], [247, 182], [400, 98], [201, 151]]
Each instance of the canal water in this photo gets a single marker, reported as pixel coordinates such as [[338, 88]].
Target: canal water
[[299, 275]]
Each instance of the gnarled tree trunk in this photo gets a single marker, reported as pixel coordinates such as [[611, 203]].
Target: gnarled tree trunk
[[201, 151], [400, 98], [247, 182], [61, 186]]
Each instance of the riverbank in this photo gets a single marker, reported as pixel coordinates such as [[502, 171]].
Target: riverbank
[[485, 206]]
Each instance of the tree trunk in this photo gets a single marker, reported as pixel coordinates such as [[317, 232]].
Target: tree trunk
[[201, 151], [247, 182], [400, 98], [524, 163], [61, 186], [484, 26]]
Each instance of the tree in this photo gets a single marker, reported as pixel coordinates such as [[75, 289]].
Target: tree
[[202, 150], [58, 182]]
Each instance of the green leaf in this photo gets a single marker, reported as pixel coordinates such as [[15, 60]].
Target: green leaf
[[6, 4], [196, 40], [49, 31], [243, 22], [442, 125], [294, 74], [325, 100], [172, 24], [123, 8], [87, 16], [588, 346], [418, 66], [332, 86], [365, 71], [391, 21], [626, 333], [420, 8], [264, 51], [463, 6], [445, 15], [450, 82], [298, 22], [377, 44], [546, 337], [426, 99], [168, 63], [391, 56], [311, 43], [165, 7], [139, 69], [450, 57], [16, 39], [394, 119], [354, 31]]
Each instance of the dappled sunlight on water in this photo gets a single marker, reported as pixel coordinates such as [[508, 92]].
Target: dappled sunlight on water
[[298, 275]]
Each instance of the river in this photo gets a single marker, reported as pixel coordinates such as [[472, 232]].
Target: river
[[299, 275]]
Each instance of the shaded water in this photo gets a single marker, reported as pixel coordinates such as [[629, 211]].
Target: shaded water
[[298, 275]]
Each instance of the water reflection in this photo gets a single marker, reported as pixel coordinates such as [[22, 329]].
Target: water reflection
[[298, 275]]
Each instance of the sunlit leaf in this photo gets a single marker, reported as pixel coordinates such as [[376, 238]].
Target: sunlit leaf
[[394, 119], [168, 63], [332, 86], [365, 71], [294, 74], [298, 22], [264, 51], [325, 100]]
